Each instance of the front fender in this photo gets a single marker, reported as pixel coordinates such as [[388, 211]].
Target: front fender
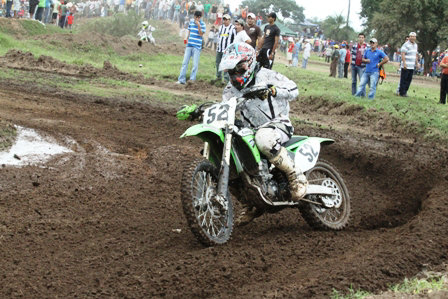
[[198, 129]]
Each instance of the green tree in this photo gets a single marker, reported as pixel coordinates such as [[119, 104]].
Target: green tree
[[368, 9], [334, 27], [428, 18], [283, 8]]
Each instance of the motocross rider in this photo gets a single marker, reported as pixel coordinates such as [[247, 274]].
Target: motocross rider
[[267, 112], [145, 34]]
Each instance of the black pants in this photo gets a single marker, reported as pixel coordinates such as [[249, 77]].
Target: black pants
[[405, 81], [263, 58], [346, 69], [443, 88]]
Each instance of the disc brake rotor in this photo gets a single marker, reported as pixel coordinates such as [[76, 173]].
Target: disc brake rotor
[[335, 200]]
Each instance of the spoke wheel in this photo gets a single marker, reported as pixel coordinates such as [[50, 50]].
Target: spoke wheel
[[317, 216], [210, 222]]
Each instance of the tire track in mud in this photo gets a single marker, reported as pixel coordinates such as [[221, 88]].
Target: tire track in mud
[[111, 228]]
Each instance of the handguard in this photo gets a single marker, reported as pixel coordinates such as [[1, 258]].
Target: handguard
[[188, 112]]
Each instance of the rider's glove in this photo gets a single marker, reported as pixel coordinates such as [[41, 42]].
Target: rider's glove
[[266, 93]]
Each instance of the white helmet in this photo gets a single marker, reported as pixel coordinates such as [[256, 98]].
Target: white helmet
[[145, 24], [239, 61]]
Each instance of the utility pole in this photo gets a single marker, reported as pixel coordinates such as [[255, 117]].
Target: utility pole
[[348, 14]]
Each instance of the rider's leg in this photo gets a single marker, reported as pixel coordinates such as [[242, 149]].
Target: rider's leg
[[269, 141]]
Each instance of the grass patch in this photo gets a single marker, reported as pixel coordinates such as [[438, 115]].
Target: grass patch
[[8, 134]]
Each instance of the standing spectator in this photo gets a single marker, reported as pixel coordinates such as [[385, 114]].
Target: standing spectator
[[341, 62], [200, 7], [306, 53], [196, 30], [241, 34], [375, 59], [47, 10], [56, 4], [409, 59], [62, 13], [358, 67], [444, 79], [334, 61], [211, 37], [40, 10], [226, 35], [176, 12], [269, 42], [295, 53], [8, 8], [290, 50], [207, 7], [16, 8], [328, 52], [33, 5], [348, 59], [253, 30], [182, 15], [259, 20]]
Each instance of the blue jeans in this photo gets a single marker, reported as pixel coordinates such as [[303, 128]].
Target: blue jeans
[[304, 62], [189, 52], [356, 71], [8, 9], [368, 77], [295, 60]]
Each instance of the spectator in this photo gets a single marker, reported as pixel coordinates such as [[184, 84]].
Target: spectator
[[63, 14], [47, 10], [409, 60], [347, 63], [226, 35], [306, 53], [269, 42], [176, 12], [211, 37], [196, 30], [374, 59], [444, 79], [290, 50], [40, 10], [328, 52], [16, 8], [182, 16], [341, 62], [33, 5], [241, 34], [358, 67], [207, 7], [8, 8], [253, 30], [295, 53], [56, 5], [334, 61], [259, 20]]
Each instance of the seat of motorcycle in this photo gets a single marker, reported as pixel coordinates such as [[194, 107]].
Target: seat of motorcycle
[[294, 139]]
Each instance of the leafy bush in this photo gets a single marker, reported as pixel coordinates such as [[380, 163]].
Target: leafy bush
[[119, 25]]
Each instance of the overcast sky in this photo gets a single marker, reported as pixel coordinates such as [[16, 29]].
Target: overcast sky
[[323, 8]]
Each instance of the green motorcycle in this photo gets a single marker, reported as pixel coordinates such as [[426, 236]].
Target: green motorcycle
[[232, 164]]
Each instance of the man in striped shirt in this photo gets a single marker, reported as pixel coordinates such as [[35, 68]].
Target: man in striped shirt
[[196, 30], [226, 34], [409, 59]]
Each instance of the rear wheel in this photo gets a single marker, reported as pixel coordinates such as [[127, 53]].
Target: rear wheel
[[317, 216], [210, 222]]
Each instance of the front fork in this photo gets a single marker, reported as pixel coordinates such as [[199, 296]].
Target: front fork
[[223, 183]]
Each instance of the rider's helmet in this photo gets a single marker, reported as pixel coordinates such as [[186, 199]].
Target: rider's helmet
[[239, 60], [145, 24]]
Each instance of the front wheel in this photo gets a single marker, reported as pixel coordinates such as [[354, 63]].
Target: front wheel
[[210, 222], [317, 216]]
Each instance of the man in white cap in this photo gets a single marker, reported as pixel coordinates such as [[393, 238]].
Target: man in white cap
[[409, 60], [253, 30], [226, 35]]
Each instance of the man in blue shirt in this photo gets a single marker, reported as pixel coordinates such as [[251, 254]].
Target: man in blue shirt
[[196, 30], [374, 59]]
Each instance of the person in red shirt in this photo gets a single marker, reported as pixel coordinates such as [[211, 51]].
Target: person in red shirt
[[290, 49], [348, 60], [444, 79]]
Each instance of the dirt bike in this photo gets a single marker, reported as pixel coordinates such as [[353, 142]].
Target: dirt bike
[[146, 35], [232, 164]]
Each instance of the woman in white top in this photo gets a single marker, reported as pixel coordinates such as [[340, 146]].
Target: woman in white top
[[241, 35]]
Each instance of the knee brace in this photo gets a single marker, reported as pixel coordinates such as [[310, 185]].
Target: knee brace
[[268, 142]]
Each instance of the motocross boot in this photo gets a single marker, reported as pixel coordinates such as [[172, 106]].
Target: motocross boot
[[247, 214], [297, 181]]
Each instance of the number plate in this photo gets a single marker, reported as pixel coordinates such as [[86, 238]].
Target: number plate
[[307, 155], [217, 115]]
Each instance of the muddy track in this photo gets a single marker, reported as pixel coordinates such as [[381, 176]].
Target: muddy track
[[104, 221]]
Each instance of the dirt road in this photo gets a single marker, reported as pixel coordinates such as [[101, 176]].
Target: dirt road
[[106, 220]]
